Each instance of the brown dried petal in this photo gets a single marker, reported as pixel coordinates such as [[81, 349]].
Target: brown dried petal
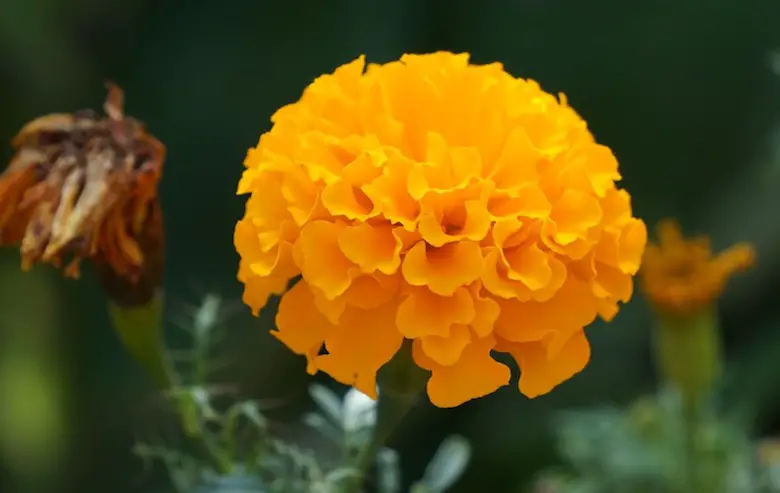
[[82, 185]]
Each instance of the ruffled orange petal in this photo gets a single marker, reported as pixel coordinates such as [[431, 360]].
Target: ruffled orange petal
[[367, 291], [425, 313], [389, 193], [443, 269], [321, 260], [554, 320], [363, 341], [300, 326], [446, 350], [541, 371], [372, 247], [486, 311], [568, 230], [474, 375]]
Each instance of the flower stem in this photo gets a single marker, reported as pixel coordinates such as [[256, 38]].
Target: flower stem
[[391, 410], [688, 353], [139, 328], [400, 383], [691, 430], [689, 358]]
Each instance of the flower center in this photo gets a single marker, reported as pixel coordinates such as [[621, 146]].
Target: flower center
[[454, 220]]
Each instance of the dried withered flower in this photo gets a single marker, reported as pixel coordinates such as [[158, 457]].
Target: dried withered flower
[[84, 186]]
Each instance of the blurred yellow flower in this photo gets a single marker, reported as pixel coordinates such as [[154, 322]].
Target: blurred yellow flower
[[445, 203], [682, 276]]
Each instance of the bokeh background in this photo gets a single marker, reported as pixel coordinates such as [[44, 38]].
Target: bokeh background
[[687, 94]]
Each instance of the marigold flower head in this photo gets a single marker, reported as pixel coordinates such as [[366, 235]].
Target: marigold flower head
[[445, 203], [83, 186], [682, 276]]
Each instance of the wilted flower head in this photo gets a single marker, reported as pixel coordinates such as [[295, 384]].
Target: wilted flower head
[[446, 203], [682, 276], [84, 186]]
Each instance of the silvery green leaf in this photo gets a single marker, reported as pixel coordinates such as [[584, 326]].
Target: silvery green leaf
[[207, 315], [773, 59], [327, 401], [238, 482], [315, 421], [252, 412], [741, 477], [200, 397], [628, 460], [448, 464], [317, 487], [336, 476], [358, 411], [584, 435], [773, 478], [325, 427], [388, 471]]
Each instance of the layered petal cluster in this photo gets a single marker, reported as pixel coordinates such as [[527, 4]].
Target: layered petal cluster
[[682, 276], [440, 202]]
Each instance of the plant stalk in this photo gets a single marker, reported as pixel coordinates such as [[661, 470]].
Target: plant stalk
[[139, 327], [401, 382], [688, 354]]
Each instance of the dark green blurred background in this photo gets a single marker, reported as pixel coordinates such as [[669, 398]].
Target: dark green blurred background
[[685, 93]]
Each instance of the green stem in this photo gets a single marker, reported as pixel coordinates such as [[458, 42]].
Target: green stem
[[391, 410], [400, 383], [201, 358], [139, 328], [691, 423], [688, 353], [221, 460]]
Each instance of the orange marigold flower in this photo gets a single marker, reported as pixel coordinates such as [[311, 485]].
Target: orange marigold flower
[[84, 186], [682, 277], [445, 203]]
